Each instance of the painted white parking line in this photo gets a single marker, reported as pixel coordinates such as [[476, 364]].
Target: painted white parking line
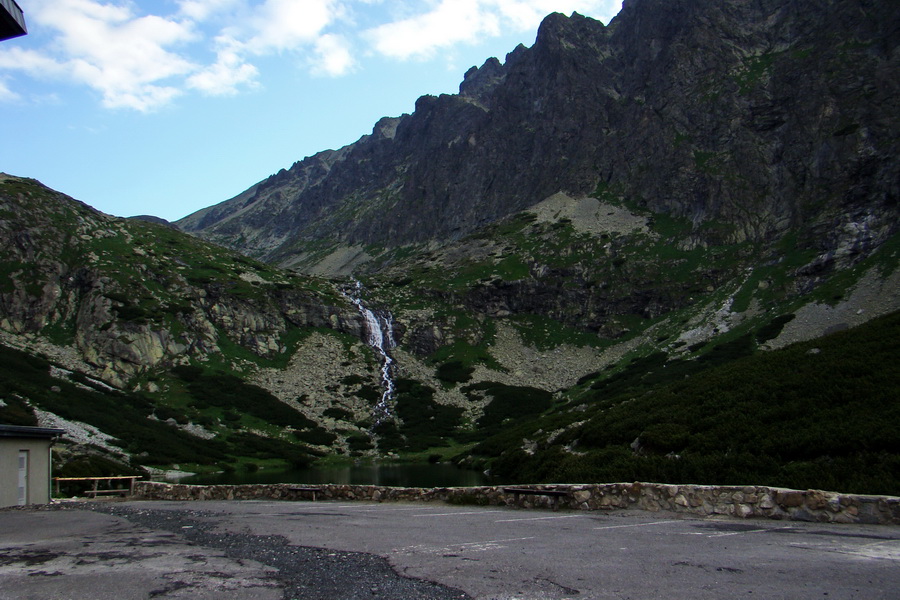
[[888, 549], [537, 518], [635, 525], [359, 507], [518, 539], [730, 533], [379, 509], [481, 546], [336, 510], [317, 505], [453, 514]]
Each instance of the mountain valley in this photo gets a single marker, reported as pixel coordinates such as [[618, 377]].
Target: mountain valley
[[662, 249]]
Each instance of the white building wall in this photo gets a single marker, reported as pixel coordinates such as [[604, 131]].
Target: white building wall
[[38, 480]]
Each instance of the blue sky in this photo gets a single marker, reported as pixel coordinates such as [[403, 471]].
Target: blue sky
[[165, 107]]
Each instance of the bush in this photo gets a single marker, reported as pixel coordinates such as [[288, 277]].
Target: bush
[[789, 418], [234, 394], [369, 393], [389, 438], [454, 372], [317, 436], [511, 403], [339, 414], [256, 446], [425, 423], [188, 373], [665, 437], [468, 499], [359, 443], [122, 415], [17, 412], [773, 329]]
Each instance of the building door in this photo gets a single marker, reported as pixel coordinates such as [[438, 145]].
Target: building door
[[23, 477]]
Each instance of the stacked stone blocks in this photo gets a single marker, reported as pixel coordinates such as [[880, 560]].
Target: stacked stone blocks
[[702, 500]]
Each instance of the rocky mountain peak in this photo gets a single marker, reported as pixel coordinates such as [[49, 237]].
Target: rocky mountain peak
[[478, 82], [748, 119], [557, 31]]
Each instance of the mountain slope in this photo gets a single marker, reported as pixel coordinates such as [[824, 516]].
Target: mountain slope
[[822, 414], [133, 296], [746, 119], [155, 348], [696, 184], [467, 368]]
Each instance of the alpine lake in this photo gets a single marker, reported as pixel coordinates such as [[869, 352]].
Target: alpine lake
[[386, 474]]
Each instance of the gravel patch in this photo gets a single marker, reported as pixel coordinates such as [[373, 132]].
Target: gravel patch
[[305, 573], [80, 433], [589, 215], [873, 296]]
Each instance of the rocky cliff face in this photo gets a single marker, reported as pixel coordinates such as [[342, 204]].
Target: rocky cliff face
[[749, 119], [159, 348], [131, 297]]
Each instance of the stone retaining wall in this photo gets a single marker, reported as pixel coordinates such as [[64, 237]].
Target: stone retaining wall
[[731, 501]]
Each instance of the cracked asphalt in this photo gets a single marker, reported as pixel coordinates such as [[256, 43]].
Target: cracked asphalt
[[304, 550]]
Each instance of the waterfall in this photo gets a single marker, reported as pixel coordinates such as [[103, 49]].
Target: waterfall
[[380, 336]]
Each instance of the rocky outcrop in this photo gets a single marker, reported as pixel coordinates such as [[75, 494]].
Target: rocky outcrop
[[134, 297], [747, 119]]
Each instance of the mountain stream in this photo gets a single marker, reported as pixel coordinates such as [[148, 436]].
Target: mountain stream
[[380, 336]]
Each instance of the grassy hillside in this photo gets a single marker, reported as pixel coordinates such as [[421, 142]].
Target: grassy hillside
[[160, 334], [223, 409], [822, 414], [581, 340]]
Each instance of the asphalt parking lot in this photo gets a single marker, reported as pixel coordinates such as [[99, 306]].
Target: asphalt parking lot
[[219, 550]]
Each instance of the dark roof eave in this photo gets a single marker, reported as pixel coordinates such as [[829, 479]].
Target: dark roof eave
[[12, 21], [20, 431]]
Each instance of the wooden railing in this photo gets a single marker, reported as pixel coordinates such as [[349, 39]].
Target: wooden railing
[[95, 489]]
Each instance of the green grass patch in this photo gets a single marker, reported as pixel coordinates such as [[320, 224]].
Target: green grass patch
[[462, 355], [545, 333]]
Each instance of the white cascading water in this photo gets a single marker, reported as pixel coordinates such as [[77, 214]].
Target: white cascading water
[[380, 336]]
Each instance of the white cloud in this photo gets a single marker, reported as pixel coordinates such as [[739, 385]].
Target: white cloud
[[15, 58], [227, 74], [450, 22], [527, 14], [289, 24], [123, 56], [6, 94], [200, 10], [145, 98], [332, 56], [136, 57], [143, 61]]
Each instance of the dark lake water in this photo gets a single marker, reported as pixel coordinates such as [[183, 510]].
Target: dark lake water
[[399, 475]]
